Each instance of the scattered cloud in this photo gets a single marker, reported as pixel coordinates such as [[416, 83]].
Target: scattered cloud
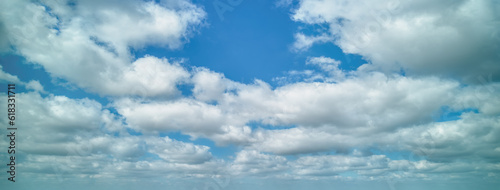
[[304, 42], [425, 106], [88, 43], [457, 42]]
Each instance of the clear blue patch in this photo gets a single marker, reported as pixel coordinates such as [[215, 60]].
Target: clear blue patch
[[186, 89], [448, 114], [133, 132], [177, 136], [292, 157], [258, 124], [112, 110], [149, 157], [349, 174]]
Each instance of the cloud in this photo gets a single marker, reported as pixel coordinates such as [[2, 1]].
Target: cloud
[[304, 42], [8, 77], [83, 139], [102, 168], [179, 152], [364, 110], [473, 137], [370, 103], [334, 165], [328, 65], [251, 162], [301, 141], [283, 3], [209, 85], [168, 116], [319, 113], [414, 35], [31, 85], [368, 124], [373, 101], [89, 43], [35, 85], [71, 124]]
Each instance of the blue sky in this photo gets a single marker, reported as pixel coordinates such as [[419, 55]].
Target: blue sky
[[239, 94]]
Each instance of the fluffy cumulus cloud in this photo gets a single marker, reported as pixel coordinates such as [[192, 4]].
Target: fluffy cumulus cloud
[[172, 116], [353, 112], [372, 111], [436, 148], [83, 136], [461, 41], [255, 163], [88, 43]]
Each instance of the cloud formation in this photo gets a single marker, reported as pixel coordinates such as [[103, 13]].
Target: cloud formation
[[89, 43], [424, 107], [460, 42]]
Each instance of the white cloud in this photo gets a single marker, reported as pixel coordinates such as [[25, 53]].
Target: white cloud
[[179, 152], [304, 42], [373, 102], [348, 167], [31, 85], [473, 137], [299, 141], [251, 162], [73, 124], [148, 76], [329, 65], [483, 97], [145, 23], [35, 85], [8, 77], [84, 140], [327, 115], [283, 3], [416, 35], [85, 147], [209, 85], [187, 115], [89, 43], [336, 164], [103, 168]]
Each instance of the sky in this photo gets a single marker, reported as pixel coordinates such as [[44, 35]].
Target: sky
[[251, 94]]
